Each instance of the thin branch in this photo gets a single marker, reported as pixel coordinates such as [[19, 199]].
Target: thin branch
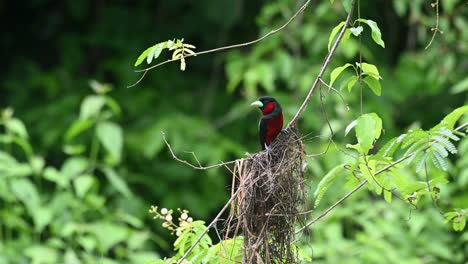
[[209, 226], [436, 28], [336, 91], [197, 167], [269, 34], [322, 70]]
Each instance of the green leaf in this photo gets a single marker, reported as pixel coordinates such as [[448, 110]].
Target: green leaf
[[326, 182], [152, 52], [334, 32], [460, 87], [78, 127], [376, 34], [26, 192], [53, 175], [109, 234], [451, 119], [115, 180], [73, 167], [373, 84], [42, 216], [337, 71], [91, 106], [370, 69], [368, 129], [110, 135], [356, 30], [82, 184], [17, 127], [42, 254]]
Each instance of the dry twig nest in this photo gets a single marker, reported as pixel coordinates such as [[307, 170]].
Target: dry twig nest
[[272, 189]]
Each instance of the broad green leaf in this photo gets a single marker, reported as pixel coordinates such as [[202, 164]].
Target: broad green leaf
[[17, 127], [373, 84], [42, 216], [91, 106], [451, 119], [346, 36], [53, 175], [82, 184], [376, 34], [334, 32], [143, 55], [42, 254], [460, 87], [356, 30], [368, 129], [326, 182], [337, 71], [26, 192], [74, 167], [109, 234], [79, 126], [111, 137], [369, 69], [117, 182]]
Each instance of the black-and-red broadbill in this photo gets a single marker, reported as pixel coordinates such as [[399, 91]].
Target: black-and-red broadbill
[[271, 122]]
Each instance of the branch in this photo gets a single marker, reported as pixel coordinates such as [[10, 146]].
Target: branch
[[324, 67], [197, 167], [269, 34], [209, 226], [324, 213]]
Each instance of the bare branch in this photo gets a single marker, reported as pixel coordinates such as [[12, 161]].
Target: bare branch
[[197, 167], [322, 70]]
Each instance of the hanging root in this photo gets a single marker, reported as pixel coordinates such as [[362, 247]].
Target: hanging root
[[272, 188]]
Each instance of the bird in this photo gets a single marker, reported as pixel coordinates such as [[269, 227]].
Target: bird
[[271, 123]]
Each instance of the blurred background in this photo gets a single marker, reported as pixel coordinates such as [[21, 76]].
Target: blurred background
[[80, 165]]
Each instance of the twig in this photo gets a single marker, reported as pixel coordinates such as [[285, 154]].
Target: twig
[[436, 28], [269, 34], [199, 167], [209, 226], [336, 91], [322, 70], [328, 210]]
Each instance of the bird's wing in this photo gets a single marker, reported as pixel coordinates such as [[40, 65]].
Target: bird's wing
[[262, 128]]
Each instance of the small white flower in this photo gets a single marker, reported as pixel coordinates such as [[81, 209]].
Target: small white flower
[[168, 218], [164, 211], [178, 233], [165, 224], [190, 219], [184, 216]]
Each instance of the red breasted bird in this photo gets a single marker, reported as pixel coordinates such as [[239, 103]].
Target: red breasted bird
[[271, 122]]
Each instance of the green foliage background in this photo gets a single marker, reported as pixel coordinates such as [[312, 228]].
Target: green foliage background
[[83, 199]]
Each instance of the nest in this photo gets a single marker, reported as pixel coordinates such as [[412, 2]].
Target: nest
[[272, 189]]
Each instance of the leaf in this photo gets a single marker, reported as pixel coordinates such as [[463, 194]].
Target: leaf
[[369, 69], [368, 129], [337, 71], [460, 87], [42, 254], [109, 234], [376, 34], [91, 106], [356, 30], [143, 56], [42, 216], [17, 127], [110, 135], [451, 119], [350, 126], [334, 32], [82, 184], [73, 167], [115, 180], [326, 182], [26, 192], [78, 127], [373, 84]]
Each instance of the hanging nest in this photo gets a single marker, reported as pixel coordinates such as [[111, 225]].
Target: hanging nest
[[272, 189]]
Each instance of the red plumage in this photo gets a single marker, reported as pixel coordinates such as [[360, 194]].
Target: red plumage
[[271, 122]]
